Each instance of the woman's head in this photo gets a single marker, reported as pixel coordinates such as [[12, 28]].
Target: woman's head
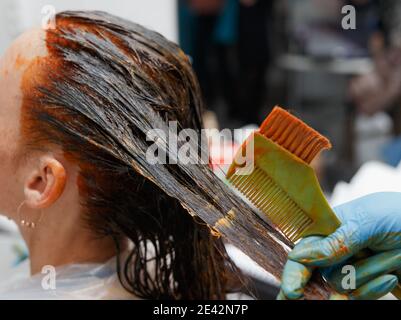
[[76, 105], [13, 65], [77, 102]]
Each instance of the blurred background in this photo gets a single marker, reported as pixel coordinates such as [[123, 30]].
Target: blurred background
[[251, 55]]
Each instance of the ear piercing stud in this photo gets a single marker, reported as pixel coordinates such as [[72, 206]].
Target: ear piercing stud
[[24, 223], [28, 224]]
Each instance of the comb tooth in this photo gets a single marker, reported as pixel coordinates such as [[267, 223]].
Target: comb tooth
[[234, 179], [288, 214], [253, 195], [261, 196], [292, 234], [287, 231], [307, 221], [298, 220], [269, 187], [253, 180], [288, 225], [262, 192], [265, 198], [298, 234], [304, 223], [282, 214], [283, 223], [294, 237], [298, 217], [292, 223], [280, 209], [245, 183], [269, 209], [279, 196], [258, 186], [240, 180], [237, 181], [271, 199]]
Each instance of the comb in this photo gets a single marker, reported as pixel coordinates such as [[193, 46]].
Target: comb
[[282, 185]]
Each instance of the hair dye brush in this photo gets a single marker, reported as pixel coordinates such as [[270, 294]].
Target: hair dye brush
[[280, 181], [276, 177]]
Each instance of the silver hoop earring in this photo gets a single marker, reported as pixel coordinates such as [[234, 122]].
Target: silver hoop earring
[[25, 223]]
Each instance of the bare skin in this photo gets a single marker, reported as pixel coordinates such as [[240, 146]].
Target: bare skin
[[44, 185]]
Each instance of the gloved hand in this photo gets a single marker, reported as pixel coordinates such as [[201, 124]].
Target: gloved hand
[[372, 222]]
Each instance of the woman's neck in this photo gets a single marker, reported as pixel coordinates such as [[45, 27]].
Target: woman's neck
[[72, 250], [58, 243]]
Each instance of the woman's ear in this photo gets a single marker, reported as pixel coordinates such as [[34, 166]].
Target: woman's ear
[[45, 183]]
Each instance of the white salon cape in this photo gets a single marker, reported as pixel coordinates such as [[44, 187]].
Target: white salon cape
[[73, 282], [76, 282]]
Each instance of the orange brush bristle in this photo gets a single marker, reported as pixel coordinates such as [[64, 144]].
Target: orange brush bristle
[[294, 135]]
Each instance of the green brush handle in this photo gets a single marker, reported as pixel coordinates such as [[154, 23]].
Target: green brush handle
[[299, 181]]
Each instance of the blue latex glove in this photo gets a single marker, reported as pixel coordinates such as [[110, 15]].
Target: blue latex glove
[[372, 222]]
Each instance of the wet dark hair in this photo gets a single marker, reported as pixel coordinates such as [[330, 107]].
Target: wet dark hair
[[104, 85]]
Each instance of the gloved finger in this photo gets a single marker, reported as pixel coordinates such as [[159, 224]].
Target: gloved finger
[[294, 279], [338, 296], [397, 290], [281, 296], [398, 274], [375, 288], [333, 249], [346, 277], [333, 296], [295, 276]]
